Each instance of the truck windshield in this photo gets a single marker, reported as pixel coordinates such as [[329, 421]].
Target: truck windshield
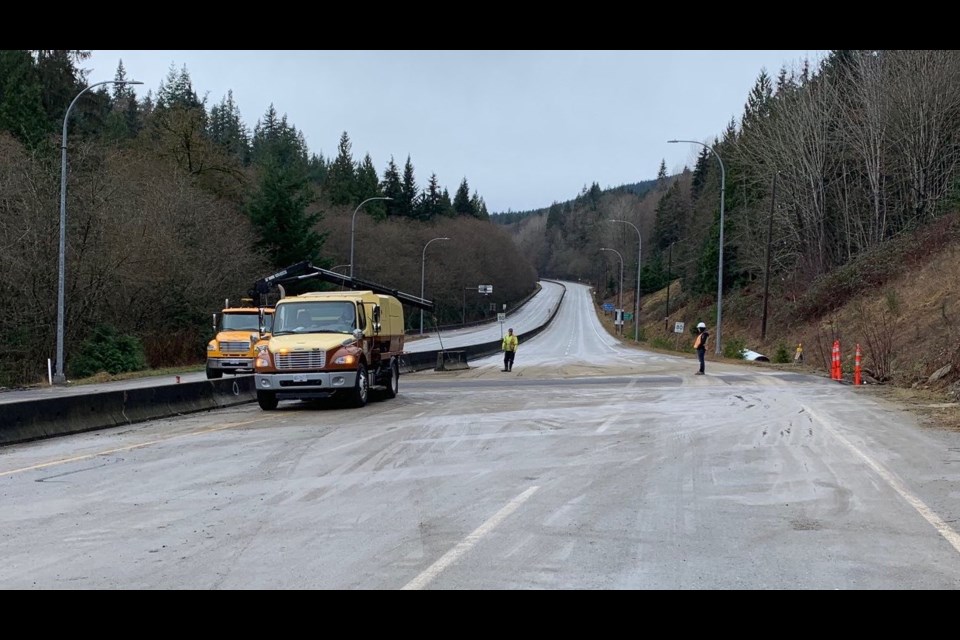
[[242, 321], [315, 317]]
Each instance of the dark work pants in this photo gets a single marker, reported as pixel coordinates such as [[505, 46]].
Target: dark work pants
[[508, 359], [700, 354]]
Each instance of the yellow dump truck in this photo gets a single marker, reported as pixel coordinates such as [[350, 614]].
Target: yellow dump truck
[[331, 344], [237, 331]]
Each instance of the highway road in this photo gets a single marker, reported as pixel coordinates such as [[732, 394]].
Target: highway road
[[531, 315], [592, 465]]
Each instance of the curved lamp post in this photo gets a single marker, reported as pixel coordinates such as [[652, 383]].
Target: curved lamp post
[[60, 377], [353, 223], [423, 264], [720, 266], [620, 296], [636, 303]]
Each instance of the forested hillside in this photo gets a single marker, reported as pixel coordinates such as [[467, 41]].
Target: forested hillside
[[839, 187], [174, 204]]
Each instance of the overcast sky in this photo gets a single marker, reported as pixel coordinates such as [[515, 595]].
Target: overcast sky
[[526, 128]]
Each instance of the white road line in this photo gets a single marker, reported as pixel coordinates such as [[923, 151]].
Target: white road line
[[468, 543], [928, 514]]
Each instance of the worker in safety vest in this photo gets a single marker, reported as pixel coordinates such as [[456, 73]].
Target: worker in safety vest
[[509, 349]]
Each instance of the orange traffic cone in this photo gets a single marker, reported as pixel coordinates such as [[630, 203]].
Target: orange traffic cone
[[856, 368], [835, 361]]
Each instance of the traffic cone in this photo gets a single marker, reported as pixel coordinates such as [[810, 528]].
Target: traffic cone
[[856, 368], [835, 361], [839, 362]]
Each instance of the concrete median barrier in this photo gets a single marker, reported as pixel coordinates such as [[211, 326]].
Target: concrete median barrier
[[47, 417]]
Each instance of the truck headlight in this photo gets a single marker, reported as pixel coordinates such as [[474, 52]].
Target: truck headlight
[[263, 358], [212, 345], [347, 359]]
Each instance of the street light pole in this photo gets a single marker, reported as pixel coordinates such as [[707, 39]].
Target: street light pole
[[620, 295], [723, 179], [636, 303], [423, 264], [60, 377], [353, 223]]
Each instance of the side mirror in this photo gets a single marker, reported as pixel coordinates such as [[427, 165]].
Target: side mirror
[[357, 334], [214, 324], [254, 338], [376, 319]]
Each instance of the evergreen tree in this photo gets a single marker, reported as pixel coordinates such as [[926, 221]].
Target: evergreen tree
[[431, 202], [759, 100], [178, 125], [670, 216], [122, 122], [391, 187], [447, 204], [21, 99], [278, 210], [317, 169], [279, 206], [226, 129], [662, 176], [61, 81], [368, 186], [177, 90], [342, 187], [408, 191], [555, 216], [274, 140], [594, 196], [479, 207], [461, 201], [700, 170]]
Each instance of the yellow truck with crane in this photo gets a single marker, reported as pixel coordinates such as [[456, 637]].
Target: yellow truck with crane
[[331, 344]]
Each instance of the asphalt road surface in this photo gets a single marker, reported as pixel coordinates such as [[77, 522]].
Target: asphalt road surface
[[592, 465]]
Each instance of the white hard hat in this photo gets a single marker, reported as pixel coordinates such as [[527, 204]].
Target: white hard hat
[[701, 326]]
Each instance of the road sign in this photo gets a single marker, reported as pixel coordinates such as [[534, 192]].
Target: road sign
[[608, 306], [678, 327], [501, 317], [628, 315], [485, 288]]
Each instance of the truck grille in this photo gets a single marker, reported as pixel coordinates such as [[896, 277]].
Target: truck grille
[[235, 347], [301, 360]]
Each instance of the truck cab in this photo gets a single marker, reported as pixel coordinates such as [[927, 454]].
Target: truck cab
[[237, 331]]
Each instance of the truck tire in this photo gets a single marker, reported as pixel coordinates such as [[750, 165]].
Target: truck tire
[[393, 384], [213, 374], [361, 391], [267, 400]]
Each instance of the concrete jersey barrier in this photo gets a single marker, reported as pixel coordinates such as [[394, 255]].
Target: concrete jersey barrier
[[47, 417]]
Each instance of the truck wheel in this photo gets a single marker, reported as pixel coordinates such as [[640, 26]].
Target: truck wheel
[[213, 374], [267, 400], [361, 392], [393, 385]]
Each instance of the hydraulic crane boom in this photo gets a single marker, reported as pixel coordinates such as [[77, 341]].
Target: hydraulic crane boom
[[304, 270]]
